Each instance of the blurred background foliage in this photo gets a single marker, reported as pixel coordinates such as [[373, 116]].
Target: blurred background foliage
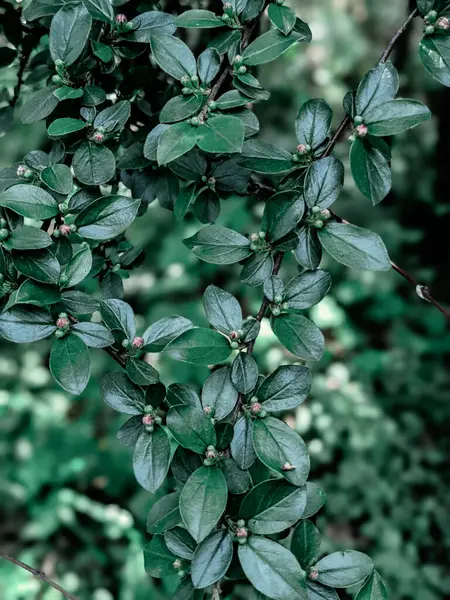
[[378, 417]]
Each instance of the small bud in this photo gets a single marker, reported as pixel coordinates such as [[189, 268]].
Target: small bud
[[63, 280], [431, 17], [241, 523], [59, 64], [211, 181], [148, 409], [237, 59], [234, 345], [195, 121], [234, 335], [62, 323], [28, 174], [285, 306], [4, 233], [225, 18], [302, 149], [242, 532], [195, 80], [296, 158], [318, 224], [126, 344], [207, 410], [60, 333], [287, 467], [276, 311], [206, 91], [147, 420], [325, 213], [115, 268], [429, 30], [185, 79], [242, 69], [73, 229], [64, 229], [149, 428], [443, 23], [121, 19], [253, 237], [21, 170], [3, 223], [361, 130], [158, 420], [280, 2], [256, 408], [186, 91], [315, 210], [138, 342], [128, 26], [98, 137], [313, 574], [227, 6], [204, 179], [278, 299], [262, 235], [177, 564], [57, 79], [63, 208], [358, 120], [212, 105], [181, 573], [211, 454]]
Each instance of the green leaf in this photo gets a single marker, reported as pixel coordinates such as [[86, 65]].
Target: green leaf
[[100, 9], [102, 51], [78, 267], [378, 86], [180, 108], [118, 315], [203, 500], [58, 178], [39, 105], [70, 363], [282, 212], [211, 559], [277, 445], [238, 481], [27, 324], [158, 559], [219, 245], [208, 64], [182, 394], [222, 309], [184, 200], [231, 99], [282, 17], [79, 302], [309, 250], [241, 446], [186, 591], [69, 32], [273, 287], [323, 182], [317, 591], [93, 164], [130, 431], [244, 372], [180, 542], [29, 201], [32, 292], [305, 543], [219, 393], [151, 459], [164, 514], [141, 373], [122, 395], [371, 172], [68, 93], [373, 589], [175, 141], [40, 265], [272, 569], [65, 126], [273, 506], [313, 123], [173, 56], [221, 134], [307, 289], [191, 428], [434, 53], [285, 388], [158, 335], [257, 269], [355, 247], [299, 335], [200, 346], [27, 238], [199, 19], [114, 117], [343, 569], [225, 41], [395, 116], [261, 157], [107, 217], [150, 23], [268, 47], [315, 499], [94, 335]]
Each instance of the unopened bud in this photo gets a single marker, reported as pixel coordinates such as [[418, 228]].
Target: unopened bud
[[242, 532], [361, 130], [278, 299], [234, 345], [21, 170], [4, 234], [431, 17], [325, 213], [241, 523], [211, 181], [177, 564], [185, 79], [429, 30], [242, 69], [287, 467], [64, 229], [212, 105], [186, 91], [60, 333], [62, 322], [313, 574], [195, 121], [296, 158], [315, 210], [253, 237], [147, 420], [318, 224], [207, 410], [121, 19], [195, 80], [126, 344], [57, 79], [443, 23], [149, 428], [262, 235], [358, 120], [234, 335], [227, 6], [98, 137], [256, 408], [237, 59], [148, 409], [59, 63], [302, 149], [138, 342], [28, 174], [276, 311], [181, 573], [225, 18]]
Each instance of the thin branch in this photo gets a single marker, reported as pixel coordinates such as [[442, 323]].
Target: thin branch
[[24, 58], [386, 54], [39, 574]]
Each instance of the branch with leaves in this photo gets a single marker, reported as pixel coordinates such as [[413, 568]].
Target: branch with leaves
[[239, 474]]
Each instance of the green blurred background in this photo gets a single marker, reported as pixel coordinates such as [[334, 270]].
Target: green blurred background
[[378, 417]]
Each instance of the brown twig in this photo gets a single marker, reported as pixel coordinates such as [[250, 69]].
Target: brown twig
[[24, 58], [39, 574]]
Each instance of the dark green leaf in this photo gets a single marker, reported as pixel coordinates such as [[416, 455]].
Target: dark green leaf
[[151, 459], [273, 287], [221, 134], [174, 142], [130, 431], [65, 126], [269, 46], [317, 591], [119, 315], [158, 559], [200, 346], [309, 250], [173, 56], [285, 388], [39, 105], [343, 569], [40, 265], [313, 123], [279, 447], [79, 302], [435, 56], [191, 428], [180, 108], [219, 393], [119, 393], [238, 480], [69, 32], [203, 500], [208, 64], [29, 201], [315, 499], [107, 217], [370, 168], [158, 335], [282, 17], [199, 19], [32, 292], [307, 289], [150, 23], [27, 238], [78, 267], [222, 309], [355, 247], [242, 443], [272, 569], [395, 116], [93, 164], [58, 178], [26, 324], [219, 245], [180, 542], [305, 543], [231, 99], [70, 363], [141, 373], [7, 56], [244, 372], [94, 335], [323, 183], [257, 269], [100, 9], [261, 157], [378, 86], [114, 117], [299, 335], [282, 212], [164, 514], [373, 589], [211, 559]]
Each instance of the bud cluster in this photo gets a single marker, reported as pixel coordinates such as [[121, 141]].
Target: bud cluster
[[150, 418], [236, 337], [62, 324], [210, 182], [241, 532], [303, 155], [132, 346], [319, 216], [256, 409], [238, 67], [191, 85], [212, 456], [258, 242], [121, 24]]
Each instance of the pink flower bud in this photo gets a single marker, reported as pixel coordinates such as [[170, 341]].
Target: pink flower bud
[[254, 237], [207, 410], [210, 454], [138, 342], [121, 19], [361, 130], [313, 574], [443, 23], [241, 532], [21, 170], [64, 229], [98, 137], [211, 181], [234, 335], [287, 467], [256, 408], [177, 564], [147, 420], [62, 322], [302, 149]]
